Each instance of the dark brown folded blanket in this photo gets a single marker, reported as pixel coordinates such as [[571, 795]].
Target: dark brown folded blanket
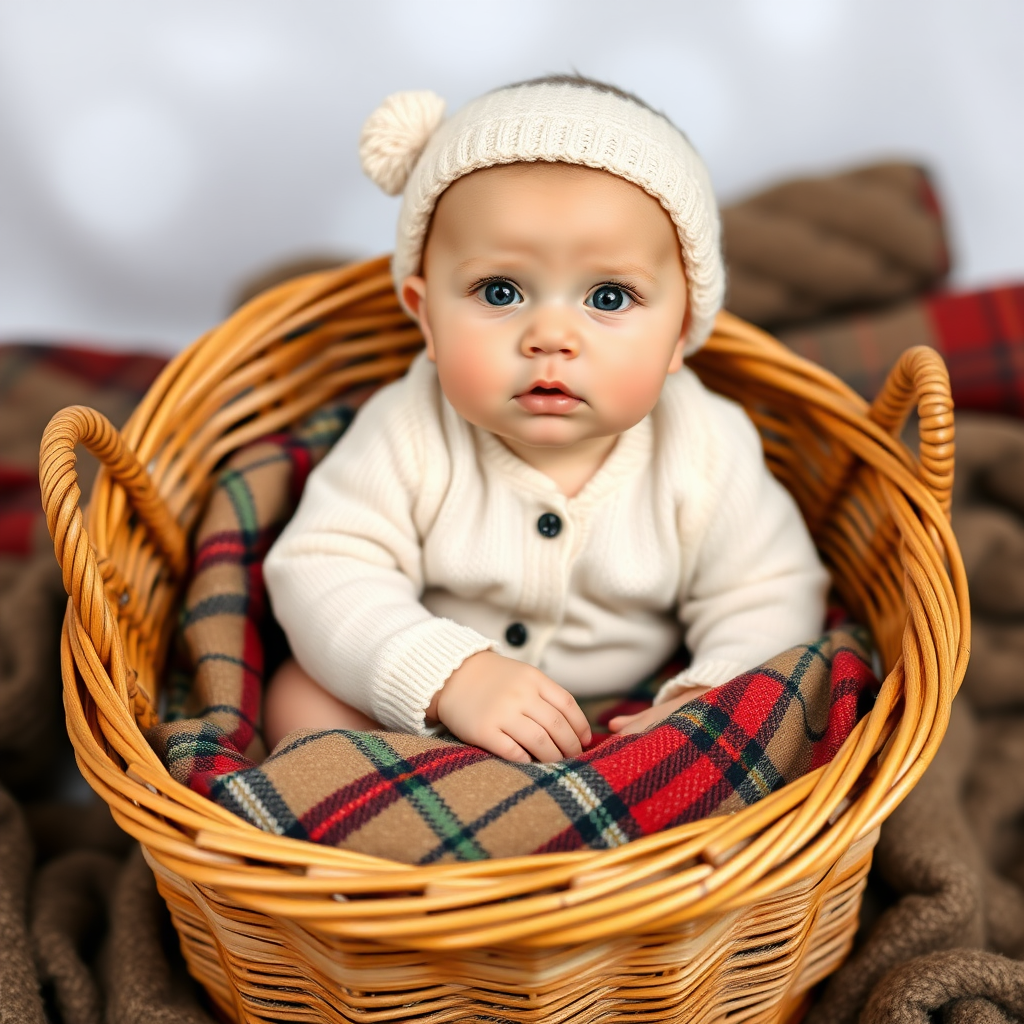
[[826, 245], [85, 938]]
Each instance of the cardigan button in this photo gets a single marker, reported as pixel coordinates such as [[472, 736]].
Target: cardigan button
[[516, 634], [549, 525]]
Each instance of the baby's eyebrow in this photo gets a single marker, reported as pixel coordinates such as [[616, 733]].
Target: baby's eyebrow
[[509, 258], [469, 263], [597, 270], [626, 270]]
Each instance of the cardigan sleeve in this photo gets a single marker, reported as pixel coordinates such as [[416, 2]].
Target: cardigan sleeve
[[346, 576], [757, 586]]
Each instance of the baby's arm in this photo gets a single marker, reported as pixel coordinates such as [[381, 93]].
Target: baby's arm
[[757, 586], [753, 585], [345, 576]]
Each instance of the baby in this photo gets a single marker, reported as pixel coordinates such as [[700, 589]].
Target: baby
[[549, 501]]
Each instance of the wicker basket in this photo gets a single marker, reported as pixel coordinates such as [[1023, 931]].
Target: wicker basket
[[731, 917]]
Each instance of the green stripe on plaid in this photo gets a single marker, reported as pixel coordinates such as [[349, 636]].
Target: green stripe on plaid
[[432, 809], [709, 726], [582, 795], [236, 486], [211, 607]]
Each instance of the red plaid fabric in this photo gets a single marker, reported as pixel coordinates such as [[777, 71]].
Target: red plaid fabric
[[981, 337]]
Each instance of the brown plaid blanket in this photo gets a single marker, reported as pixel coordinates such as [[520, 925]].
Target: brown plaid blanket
[[425, 800]]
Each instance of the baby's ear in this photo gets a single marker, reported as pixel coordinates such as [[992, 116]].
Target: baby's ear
[[414, 298], [676, 362]]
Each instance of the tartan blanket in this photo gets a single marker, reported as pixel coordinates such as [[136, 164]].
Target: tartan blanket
[[425, 800]]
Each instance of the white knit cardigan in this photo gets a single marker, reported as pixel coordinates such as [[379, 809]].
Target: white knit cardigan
[[416, 544]]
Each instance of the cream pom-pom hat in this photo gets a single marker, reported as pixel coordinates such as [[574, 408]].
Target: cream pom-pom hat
[[407, 146]]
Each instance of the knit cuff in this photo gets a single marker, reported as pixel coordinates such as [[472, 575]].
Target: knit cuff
[[414, 665], [707, 674]]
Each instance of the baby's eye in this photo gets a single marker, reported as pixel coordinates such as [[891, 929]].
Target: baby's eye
[[609, 298], [500, 293]]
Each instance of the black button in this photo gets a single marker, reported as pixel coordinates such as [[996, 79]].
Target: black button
[[549, 525], [516, 634]]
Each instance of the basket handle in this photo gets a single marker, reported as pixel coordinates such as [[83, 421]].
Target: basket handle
[[920, 378], [83, 578]]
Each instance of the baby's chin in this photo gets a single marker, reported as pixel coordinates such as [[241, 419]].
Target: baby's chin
[[553, 433]]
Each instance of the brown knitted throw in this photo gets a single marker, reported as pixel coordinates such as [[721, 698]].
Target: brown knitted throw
[[823, 245]]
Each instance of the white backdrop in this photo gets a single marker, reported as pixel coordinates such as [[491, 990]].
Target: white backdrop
[[153, 155]]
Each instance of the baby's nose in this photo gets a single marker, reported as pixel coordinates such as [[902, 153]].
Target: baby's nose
[[551, 332]]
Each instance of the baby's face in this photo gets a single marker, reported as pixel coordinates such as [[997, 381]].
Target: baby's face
[[553, 301]]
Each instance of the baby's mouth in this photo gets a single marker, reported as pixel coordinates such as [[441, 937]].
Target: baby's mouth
[[550, 398]]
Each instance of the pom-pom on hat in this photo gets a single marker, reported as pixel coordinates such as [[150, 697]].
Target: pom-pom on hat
[[394, 136], [406, 147]]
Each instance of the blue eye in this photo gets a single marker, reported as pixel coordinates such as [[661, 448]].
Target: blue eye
[[609, 298], [500, 293]]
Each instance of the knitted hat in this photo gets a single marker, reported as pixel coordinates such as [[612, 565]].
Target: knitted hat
[[405, 144]]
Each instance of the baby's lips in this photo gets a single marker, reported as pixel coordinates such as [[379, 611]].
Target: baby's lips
[[548, 397], [551, 404], [551, 385]]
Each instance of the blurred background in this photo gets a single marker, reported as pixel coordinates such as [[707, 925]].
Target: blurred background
[[156, 157]]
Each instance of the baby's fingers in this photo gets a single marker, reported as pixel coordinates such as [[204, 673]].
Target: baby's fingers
[[503, 745], [558, 729], [533, 738], [627, 725], [624, 724], [564, 702]]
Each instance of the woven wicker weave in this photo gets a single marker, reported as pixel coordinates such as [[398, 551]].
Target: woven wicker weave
[[729, 916]]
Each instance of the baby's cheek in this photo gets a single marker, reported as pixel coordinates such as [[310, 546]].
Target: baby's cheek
[[468, 379], [637, 393]]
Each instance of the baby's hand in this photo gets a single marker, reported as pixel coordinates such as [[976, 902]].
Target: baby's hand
[[626, 724], [511, 709]]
